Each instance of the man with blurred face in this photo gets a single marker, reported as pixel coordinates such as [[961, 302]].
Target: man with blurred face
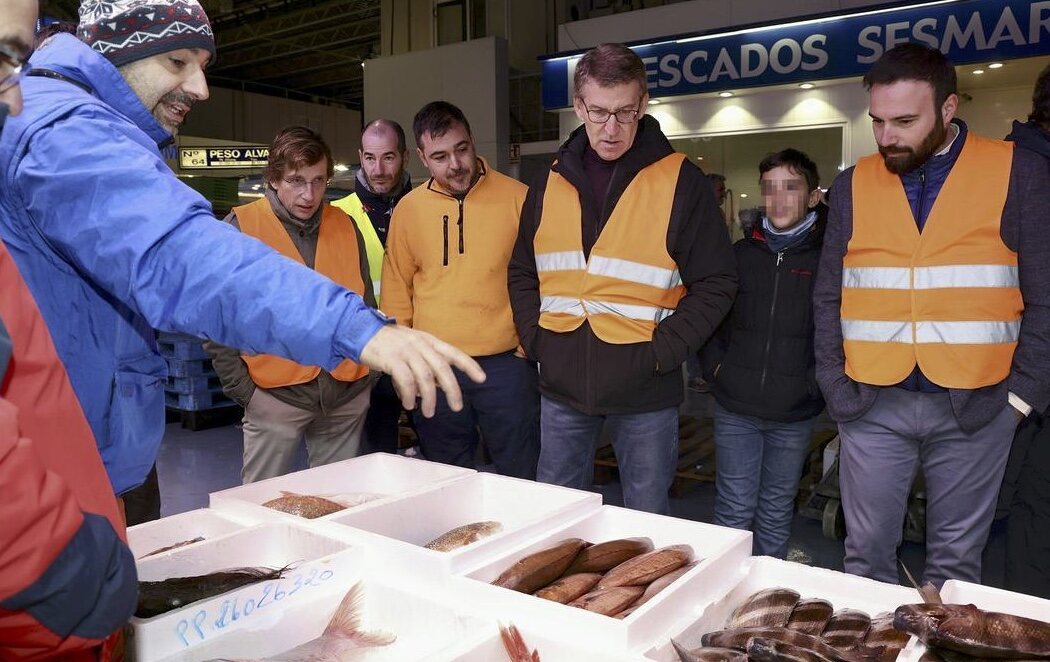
[[622, 269], [285, 402], [113, 246], [446, 273], [932, 310], [381, 182]]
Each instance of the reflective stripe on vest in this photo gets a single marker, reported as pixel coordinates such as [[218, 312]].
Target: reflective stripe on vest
[[351, 204], [948, 299], [630, 283], [337, 257]]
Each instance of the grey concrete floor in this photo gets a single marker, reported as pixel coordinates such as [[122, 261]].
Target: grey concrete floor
[[193, 464]]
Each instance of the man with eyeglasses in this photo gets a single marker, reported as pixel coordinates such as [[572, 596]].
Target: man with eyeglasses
[[285, 402], [69, 580], [112, 245], [622, 269]]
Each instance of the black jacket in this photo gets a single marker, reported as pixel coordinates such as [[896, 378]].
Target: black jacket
[[763, 352], [578, 368]]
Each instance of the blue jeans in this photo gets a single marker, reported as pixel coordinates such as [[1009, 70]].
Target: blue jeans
[[759, 464], [646, 447], [503, 407]]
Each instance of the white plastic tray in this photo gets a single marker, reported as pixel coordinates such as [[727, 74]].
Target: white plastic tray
[[427, 627], [386, 474], [762, 572], [722, 551], [550, 646], [323, 568], [203, 523], [397, 530]]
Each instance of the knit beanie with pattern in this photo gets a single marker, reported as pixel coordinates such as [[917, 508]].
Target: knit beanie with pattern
[[125, 31]]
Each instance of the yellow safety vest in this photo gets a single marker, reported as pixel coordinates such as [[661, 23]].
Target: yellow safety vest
[[629, 283], [337, 257], [351, 204], [947, 299]]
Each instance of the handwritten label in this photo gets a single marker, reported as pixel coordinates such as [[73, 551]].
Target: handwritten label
[[208, 622]]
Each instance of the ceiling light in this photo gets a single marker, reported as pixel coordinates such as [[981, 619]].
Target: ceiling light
[[743, 195], [725, 95], [654, 102], [995, 65], [807, 86], [978, 72], [699, 158], [341, 167]]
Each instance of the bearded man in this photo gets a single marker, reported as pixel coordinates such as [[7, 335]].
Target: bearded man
[[932, 327]]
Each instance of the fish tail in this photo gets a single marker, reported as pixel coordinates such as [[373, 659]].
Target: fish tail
[[684, 654], [515, 645], [928, 592], [346, 622]]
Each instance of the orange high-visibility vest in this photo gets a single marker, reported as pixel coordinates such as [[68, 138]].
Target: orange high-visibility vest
[[337, 257], [947, 299], [630, 282]]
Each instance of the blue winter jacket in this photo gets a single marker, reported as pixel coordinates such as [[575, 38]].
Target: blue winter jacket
[[113, 246]]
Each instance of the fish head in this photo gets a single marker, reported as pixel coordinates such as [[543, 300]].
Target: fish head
[[920, 619], [762, 650]]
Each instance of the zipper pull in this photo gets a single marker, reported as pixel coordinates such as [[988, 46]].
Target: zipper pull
[[780, 257], [460, 223], [444, 229], [922, 175]]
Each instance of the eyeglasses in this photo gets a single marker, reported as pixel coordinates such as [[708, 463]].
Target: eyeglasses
[[298, 183], [12, 69], [623, 116]]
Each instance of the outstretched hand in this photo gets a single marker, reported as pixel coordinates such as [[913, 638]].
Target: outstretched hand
[[418, 363]]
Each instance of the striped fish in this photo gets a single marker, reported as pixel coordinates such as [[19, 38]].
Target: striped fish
[[846, 629], [768, 608], [810, 616]]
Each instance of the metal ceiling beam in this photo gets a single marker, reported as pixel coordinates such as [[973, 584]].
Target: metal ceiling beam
[[294, 23], [304, 64], [318, 41]]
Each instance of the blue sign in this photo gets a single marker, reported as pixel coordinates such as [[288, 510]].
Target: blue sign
[[827, 47]]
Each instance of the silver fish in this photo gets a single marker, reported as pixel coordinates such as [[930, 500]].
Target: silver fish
[[342, 641], [461, 536], [769, 608], [771, 650], [739, 637]]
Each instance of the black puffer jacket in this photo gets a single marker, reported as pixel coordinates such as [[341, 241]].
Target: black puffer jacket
[[763, 352], [578, 368]]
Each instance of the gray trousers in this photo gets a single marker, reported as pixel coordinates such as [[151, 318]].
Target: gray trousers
[[273, 430], [880, 455]]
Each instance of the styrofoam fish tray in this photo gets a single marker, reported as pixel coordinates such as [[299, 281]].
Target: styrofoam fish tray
[[323, 569], [426, 629], [722, 551], [208, 524], [762, 572], [550, 649], [397, 530], [988, 599], [392, 476]]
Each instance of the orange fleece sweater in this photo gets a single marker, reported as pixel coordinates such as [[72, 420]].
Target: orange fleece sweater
[[445, 270]]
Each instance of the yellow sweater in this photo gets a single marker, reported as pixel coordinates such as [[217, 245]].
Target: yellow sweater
[[445, 270]]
